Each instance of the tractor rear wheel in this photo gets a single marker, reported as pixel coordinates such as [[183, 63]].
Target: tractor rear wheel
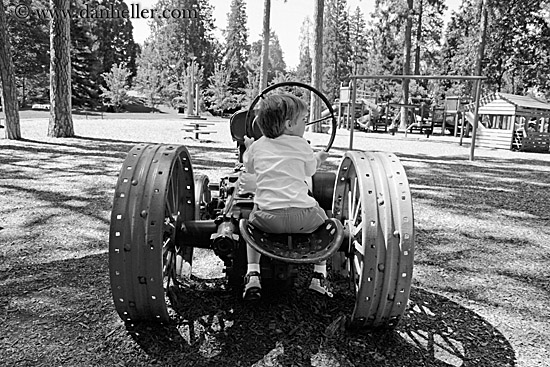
[[372, 199], [153, 196]]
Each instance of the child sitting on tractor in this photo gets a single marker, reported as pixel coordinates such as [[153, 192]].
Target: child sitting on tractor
[[282, 161]]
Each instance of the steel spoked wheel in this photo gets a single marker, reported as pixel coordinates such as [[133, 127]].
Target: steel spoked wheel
[[203, 197], [372, 198], [153, 196]]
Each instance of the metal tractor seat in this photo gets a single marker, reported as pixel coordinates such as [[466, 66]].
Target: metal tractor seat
[[240, 128], [297, 247]]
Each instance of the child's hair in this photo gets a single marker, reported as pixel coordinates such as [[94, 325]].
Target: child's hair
[[275, 109]]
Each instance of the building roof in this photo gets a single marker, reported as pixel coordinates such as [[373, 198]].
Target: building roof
[[524, 101], [511, 104]]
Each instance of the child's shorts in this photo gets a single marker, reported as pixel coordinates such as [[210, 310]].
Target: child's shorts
[[288, 220]]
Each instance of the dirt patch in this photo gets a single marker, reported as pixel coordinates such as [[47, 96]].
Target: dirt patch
[[481, 284]]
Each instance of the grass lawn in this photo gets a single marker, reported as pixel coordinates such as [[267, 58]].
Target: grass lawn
[[481, 285]]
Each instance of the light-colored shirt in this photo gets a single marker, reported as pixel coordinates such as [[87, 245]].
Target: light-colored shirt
[[282, 166]]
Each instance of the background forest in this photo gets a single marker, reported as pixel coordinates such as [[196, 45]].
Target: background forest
[[107, 63]]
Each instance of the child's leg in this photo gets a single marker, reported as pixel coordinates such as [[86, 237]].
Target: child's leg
[[319, 282], [321, 268], [253, 259], [252, 285]]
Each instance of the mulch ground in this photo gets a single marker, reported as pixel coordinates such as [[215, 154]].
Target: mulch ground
[[481, 284]]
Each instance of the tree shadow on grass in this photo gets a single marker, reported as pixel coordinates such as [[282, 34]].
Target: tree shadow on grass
[[214, 327], [66, 306], [78, 145], [95, 156], [476, 189], [457, 265], [56, 306]]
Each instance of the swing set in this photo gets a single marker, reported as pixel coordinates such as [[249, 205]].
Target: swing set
[[477, 87]]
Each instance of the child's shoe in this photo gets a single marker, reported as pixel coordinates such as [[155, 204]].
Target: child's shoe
[[252, 286], [320, 284]]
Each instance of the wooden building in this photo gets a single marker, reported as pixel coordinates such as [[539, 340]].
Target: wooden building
[[508, 121]]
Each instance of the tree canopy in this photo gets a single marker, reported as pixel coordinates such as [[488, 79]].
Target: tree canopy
[[516, 58]]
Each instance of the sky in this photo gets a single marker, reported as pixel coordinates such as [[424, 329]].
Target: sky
[[286, 20]]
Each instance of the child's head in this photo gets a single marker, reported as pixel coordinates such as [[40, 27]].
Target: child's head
[[275, 110]]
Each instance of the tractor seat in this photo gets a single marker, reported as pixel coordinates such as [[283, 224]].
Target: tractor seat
[[297, 247], [239, 129]]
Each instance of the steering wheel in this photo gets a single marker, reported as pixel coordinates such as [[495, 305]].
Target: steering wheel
[[252, 129]]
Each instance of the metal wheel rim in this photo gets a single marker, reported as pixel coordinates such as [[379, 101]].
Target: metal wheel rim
[[372, 198], [153, 196]]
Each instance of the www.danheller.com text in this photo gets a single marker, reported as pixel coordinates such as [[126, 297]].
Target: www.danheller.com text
[[23, 11]]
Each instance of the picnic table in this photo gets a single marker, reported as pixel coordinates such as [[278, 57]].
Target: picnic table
[[197, 128]]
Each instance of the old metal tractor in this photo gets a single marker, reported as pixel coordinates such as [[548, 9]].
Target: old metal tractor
[[162, 210]]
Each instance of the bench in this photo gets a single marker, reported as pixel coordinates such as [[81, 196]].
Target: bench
[[41, 106]]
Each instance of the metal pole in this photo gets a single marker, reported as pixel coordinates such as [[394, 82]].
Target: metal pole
[[190, 81], [406, 111], [476, 119], [416, 77], [463, 122], [192, 87], [352, 112], [197, 107]]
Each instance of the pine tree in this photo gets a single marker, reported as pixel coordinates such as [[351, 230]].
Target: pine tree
[[117, 86], [386, 38], [211, 47], [337, 47], [359, 42], [460, 41], [92, 38], [30, 51], [237, 48], [219, 93], [303, 70], [428, 26], [115, 41], [149, 79], [174, 42], [85, 62], [516, 31], [275, 61]]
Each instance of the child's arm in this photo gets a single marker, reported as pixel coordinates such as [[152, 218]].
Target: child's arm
[[320, 157], [248, 142], [247, 157]]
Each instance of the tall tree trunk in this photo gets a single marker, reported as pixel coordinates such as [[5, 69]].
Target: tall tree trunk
[[265, 46], [482, 40], [407, 62], [61, 121], [317, 66], [7, 75], [418, 38]]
